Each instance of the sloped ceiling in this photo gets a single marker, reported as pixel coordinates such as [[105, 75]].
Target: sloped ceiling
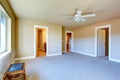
[[56, 11]]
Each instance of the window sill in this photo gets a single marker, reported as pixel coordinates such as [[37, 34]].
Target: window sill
[[4, 53]]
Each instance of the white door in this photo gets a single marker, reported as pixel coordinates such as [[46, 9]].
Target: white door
[[101, 42], [71, 42]]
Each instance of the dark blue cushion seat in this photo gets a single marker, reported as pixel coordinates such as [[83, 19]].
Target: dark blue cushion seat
[[16, 66]]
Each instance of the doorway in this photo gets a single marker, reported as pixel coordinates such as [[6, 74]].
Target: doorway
[[68, 41], [40, 41], [103, 41]]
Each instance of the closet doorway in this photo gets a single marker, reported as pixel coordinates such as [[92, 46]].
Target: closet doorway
[[41, 41], [103, 43], [68, 41]]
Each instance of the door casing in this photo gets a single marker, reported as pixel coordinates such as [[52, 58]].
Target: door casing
[[35, 46], [96, 39]]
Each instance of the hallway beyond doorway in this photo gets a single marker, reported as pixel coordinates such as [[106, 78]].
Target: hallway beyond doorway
[[41, 53]]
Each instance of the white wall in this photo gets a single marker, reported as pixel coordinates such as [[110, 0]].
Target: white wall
[[84, 38], [25, 38]]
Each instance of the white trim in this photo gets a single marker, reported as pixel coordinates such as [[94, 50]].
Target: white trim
[[45, 27], [84, 53], [5, 53], [96, 32], [114, 60], [71, 38], [56, 54], [24, 58]]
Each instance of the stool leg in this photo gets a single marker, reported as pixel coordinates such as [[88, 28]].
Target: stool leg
[[24, 76], [9, 77]]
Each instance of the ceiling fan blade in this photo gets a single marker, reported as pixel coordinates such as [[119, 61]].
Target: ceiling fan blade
[[71, 20], [88, 15], [83, 20]]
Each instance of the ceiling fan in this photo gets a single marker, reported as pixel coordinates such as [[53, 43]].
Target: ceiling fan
[[79, 16]]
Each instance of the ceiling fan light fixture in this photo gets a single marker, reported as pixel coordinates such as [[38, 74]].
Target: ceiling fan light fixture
[[78, 19], [81, 17]]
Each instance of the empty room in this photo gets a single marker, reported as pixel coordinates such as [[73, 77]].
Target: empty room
[[59, 39]]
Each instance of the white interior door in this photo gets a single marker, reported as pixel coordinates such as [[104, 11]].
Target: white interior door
[[71, 43], [101, 42]]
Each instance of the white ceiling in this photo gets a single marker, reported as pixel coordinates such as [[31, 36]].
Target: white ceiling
[[54, 11]]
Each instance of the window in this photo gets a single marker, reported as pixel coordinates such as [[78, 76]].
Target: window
[[5, 31], [2, 32]]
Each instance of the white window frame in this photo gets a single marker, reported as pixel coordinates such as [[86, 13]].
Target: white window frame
[[5, 34], [8, 33]]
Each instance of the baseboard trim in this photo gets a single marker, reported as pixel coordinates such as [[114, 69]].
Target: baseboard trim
[[84, 53], [57, 54], [114, 60], [24, 58]]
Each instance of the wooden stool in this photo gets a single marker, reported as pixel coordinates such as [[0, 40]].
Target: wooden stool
[[15, 70]]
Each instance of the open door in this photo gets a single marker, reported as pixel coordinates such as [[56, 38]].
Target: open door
[[40, 42], [103, 42], [106, 41], [69, 41]]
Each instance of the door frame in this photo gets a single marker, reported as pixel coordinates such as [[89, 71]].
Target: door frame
[[71, 39], [96, 39], [35, 46]]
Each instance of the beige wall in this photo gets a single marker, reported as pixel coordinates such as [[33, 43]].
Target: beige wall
[[64, 29], [6, 60], [25, 38], [84, 38]]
